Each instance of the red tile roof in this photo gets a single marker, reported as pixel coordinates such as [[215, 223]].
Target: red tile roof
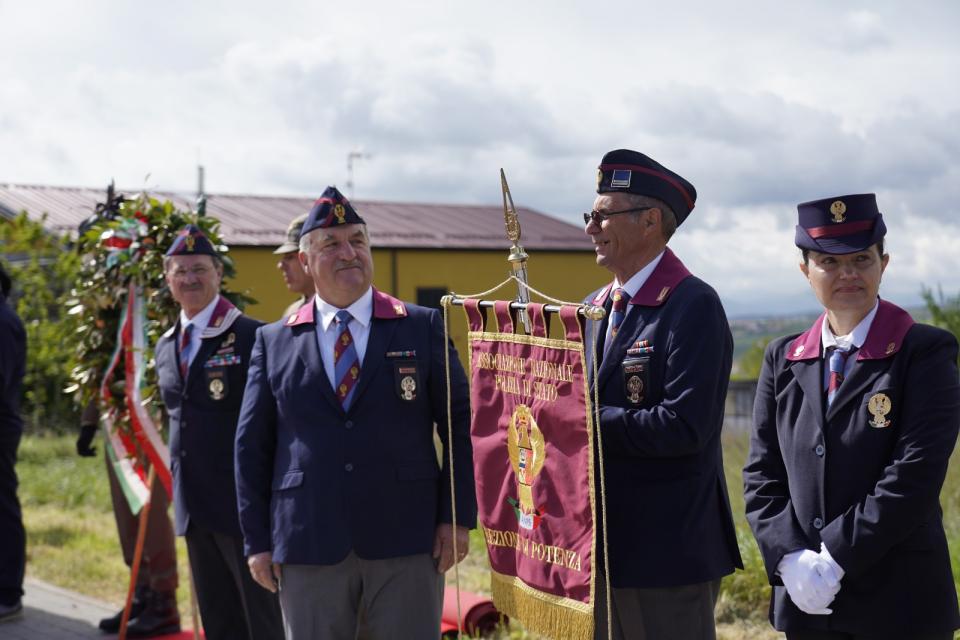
[[262, 220]]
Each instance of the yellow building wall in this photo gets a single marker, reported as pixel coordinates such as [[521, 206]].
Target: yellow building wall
[[400, 272]]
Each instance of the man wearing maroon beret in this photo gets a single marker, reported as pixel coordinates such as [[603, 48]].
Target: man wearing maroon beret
[[664, 354]]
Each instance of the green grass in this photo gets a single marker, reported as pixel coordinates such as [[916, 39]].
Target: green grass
[[72, 537]]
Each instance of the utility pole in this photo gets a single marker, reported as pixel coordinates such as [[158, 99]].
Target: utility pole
[[201, 195], [354, 155]]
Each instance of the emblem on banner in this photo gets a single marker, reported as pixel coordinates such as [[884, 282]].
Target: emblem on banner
[[879, 406], [527, 450]]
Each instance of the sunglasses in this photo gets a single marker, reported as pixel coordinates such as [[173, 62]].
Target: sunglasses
[[600, 216]]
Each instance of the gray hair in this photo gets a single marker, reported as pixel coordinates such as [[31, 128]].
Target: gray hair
[[668, 219], [306, 240]]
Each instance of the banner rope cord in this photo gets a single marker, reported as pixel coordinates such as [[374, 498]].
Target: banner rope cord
[[453, 489], [603, 487], [513, 278]]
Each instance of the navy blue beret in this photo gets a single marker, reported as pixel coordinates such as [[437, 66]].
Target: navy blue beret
[[330, 210], [842, 224], [191, 241], [632, 172]]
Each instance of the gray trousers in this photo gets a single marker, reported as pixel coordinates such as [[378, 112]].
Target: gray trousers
[[401, 598], [666, 613]]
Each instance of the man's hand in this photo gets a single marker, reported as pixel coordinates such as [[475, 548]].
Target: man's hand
[[810, 580], [443, 546], [264, 570], [84, 448]]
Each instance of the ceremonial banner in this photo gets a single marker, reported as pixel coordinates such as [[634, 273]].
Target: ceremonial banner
[[532, 439]]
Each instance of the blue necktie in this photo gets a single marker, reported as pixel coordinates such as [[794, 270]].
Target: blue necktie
[[185, 350], [837, 363], [346, 364]]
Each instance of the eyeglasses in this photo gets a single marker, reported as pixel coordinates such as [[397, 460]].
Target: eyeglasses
[[600, 216]]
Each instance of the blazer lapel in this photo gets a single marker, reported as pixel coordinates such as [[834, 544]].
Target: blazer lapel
[[862, 374], [308, 350], [381, 332], [809, 375], [612, 355]]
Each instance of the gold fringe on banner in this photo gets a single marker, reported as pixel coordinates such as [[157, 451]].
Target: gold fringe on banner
[[549, 615]]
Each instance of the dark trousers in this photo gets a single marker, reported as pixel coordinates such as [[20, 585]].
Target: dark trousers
[[837, 635], [666, 613], [13, 538], [158, 564], [232, 605]]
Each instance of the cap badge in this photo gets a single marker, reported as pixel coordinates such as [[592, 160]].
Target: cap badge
[[621, 178], [838, 209], [798, 350], [599, 176], [879, 407], [190, 240], [341, 213]]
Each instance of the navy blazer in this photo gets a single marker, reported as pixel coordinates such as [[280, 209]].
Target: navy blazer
[[863, 477], [661, 411], [202, 416], [315, 482]]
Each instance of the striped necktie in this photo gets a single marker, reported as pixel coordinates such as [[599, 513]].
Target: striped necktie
[[618, 311], [185, 350], [346, 364], [836, 362]]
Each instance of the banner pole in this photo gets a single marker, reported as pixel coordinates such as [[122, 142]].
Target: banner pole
[[137, 553]]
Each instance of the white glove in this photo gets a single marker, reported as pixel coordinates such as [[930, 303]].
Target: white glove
[[837, 569], [810, 580]]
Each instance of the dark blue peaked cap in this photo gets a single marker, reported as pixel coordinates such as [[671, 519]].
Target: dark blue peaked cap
[[191, 241], [632, 172], [332, 209], [842, 224]]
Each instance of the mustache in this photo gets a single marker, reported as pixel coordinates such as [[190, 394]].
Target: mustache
[[347, 264]]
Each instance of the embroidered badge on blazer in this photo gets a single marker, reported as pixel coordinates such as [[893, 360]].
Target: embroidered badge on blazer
[[407, 379], [636, 378], [217, 387], [879, 406]]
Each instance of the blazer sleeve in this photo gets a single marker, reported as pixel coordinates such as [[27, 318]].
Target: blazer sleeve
[[688, 416], [908, 490], [767, 502], [254, 452], [459, 420]]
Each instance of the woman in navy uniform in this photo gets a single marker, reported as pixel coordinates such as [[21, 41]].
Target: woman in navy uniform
[[854, 424]]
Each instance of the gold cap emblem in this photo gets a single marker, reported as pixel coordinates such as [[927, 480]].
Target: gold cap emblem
[[599, 177], [341, 213], [838, 209]]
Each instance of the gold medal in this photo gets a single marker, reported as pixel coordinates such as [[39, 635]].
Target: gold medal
[[409, 387], [879, 406], [216, 389]]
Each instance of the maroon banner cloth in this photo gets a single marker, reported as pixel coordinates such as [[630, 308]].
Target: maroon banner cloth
[[533, 463]]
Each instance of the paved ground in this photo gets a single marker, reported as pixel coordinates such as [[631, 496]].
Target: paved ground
[[52, 613]]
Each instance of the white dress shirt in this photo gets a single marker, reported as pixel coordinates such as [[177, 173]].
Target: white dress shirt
[[199, 322], [632, 286], [327, 330], [855, 338]]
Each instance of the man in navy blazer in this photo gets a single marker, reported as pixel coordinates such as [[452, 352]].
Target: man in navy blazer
[[663, 357], [343, 505], [202, 367]]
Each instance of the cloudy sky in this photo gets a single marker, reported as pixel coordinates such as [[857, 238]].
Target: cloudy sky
[[761, 105]]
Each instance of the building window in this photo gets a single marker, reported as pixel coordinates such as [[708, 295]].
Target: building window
[[430, 296]]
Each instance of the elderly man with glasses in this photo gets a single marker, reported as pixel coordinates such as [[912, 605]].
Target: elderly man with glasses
[[663, 355]]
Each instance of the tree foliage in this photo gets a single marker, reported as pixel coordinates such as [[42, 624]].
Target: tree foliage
[[43, 268], [944, 310]]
